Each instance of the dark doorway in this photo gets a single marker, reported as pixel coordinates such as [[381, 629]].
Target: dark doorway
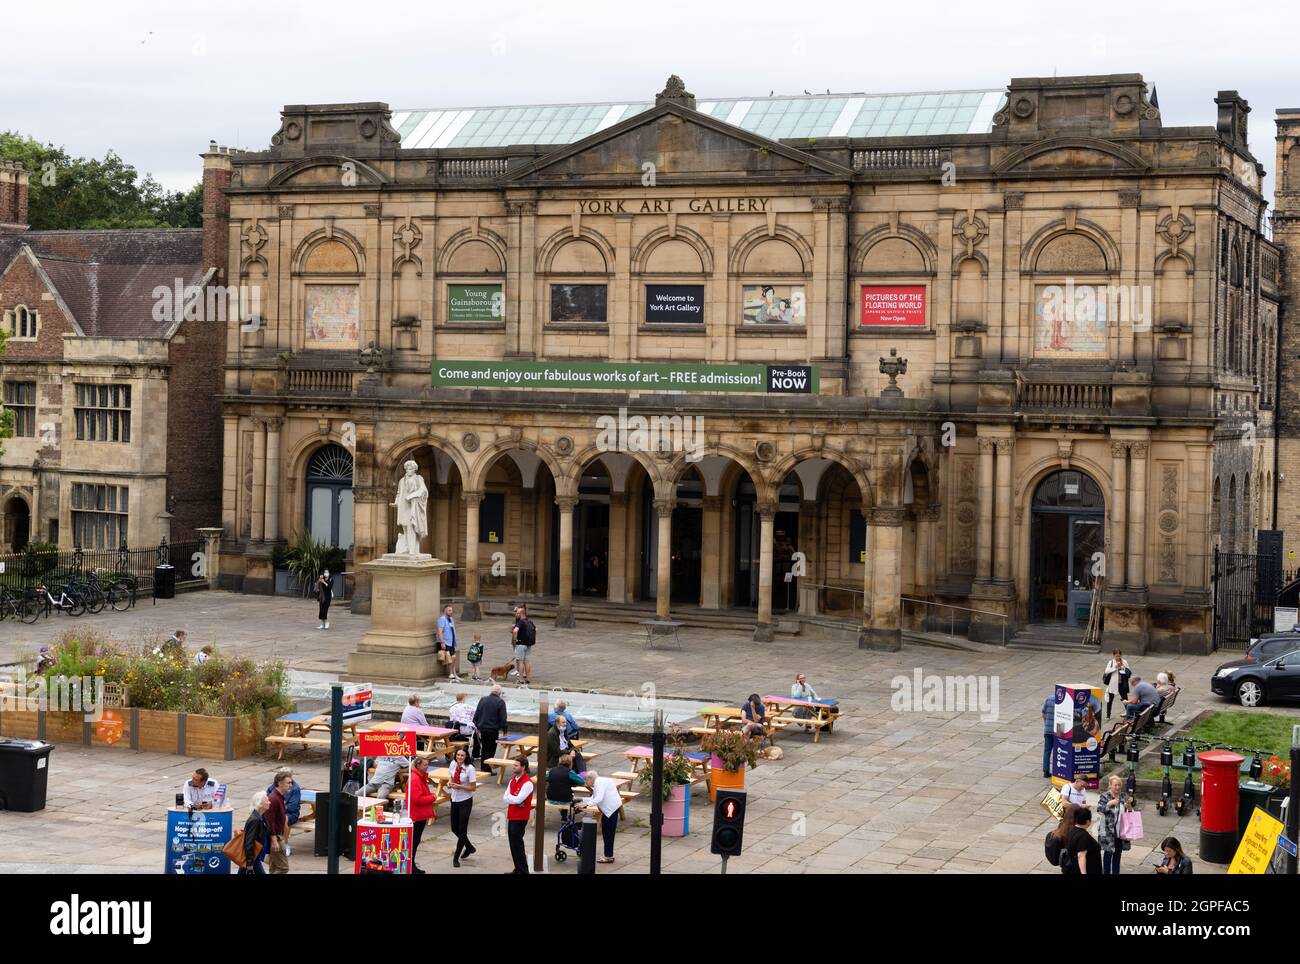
[[687, 542], [591, 533], [785, 543], [18, 524], [1067, 532]]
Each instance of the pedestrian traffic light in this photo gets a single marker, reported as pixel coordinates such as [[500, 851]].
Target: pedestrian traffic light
[[729, 823]]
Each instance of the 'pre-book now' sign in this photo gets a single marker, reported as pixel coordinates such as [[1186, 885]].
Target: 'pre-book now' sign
[[628, 376]]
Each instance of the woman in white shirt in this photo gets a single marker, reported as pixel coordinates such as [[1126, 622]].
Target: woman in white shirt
[[606, 798], [1116, 678], [464, 781]]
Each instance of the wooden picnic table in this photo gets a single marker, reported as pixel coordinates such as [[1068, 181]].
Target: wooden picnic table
[[822, 718], [641, 756], [715, 717], [301, 728]]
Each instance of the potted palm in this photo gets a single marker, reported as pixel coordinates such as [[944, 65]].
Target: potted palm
[[731, 752], [676, 791]]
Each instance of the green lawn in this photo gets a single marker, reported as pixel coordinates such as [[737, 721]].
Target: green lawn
[[1270, 732]]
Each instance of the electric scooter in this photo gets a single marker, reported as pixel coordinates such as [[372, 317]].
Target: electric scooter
[[1189, 787], [1166, 786]]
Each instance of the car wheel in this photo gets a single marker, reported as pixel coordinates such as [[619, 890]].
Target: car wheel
[[1250, 693]]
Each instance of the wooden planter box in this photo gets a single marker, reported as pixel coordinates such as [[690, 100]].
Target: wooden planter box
[[157, 731]]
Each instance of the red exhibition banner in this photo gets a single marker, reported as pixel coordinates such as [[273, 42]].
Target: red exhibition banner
[[893, 305], [373, 743]]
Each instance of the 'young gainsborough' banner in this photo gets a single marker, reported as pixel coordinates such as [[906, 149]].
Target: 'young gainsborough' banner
[[628, 376]]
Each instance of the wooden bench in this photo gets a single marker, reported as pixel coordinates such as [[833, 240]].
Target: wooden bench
[[1167, 704]]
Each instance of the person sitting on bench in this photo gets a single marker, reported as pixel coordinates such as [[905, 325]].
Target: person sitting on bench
[[1141, 695], [560, 781], [385, 777]]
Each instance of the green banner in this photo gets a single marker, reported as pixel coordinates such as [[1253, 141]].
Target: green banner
[[628, 376], [475, 303]]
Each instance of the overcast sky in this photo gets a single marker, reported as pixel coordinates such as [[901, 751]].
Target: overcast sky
[[156, 81]]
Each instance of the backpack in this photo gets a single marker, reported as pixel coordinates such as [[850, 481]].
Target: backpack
[[527, 633], [475, 653], [1052, 849]]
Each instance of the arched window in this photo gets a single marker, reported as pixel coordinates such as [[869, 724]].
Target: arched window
[[1068, 490], [22, 322], [329, 496]]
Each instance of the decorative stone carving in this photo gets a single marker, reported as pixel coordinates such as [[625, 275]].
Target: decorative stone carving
[[1138, 449], [407, 235], [1130, 197], [412, 505], [1177, 230], [1168, 522], [286, 212], [970, 231], [675, 92], [521, 208], [564, 445], [888, 516], [469, 442], [1118, 449], [832, 205], [963, 559], [373, 210], [987, 444], [1064, 451], [765, 451], [1013, 200], [1023, 107], [893, 366]]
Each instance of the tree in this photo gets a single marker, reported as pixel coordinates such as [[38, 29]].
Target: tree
[[67, 192]]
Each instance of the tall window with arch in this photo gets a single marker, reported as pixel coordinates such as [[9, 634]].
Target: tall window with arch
[[329, 496]]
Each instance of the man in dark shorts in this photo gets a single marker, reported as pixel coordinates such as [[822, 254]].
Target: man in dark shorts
[[524, 634]]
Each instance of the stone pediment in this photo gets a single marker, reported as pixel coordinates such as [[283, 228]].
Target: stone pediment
[[684, 146], [329, 170], [1071, 155]]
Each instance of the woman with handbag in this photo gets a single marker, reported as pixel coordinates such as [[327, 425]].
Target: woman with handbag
[[257, 835], [1115, 678], [1110, 805]]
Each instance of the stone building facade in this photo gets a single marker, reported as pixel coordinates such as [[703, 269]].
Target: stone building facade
[[114, 394], [1286, 280], [1079, 295]]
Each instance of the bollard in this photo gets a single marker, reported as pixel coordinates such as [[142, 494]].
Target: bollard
[[587, 850]]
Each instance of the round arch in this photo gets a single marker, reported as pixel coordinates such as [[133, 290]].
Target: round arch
[[905, 232], [1061, 228], [465, 235], [641, 256], [489, 454], [752, 239], [1057, 543], [551, 246], [787, 464], [575, 464], [321, 235], [398, 452]]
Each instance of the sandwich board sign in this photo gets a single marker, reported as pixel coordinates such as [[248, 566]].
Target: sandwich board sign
[[356, 702]]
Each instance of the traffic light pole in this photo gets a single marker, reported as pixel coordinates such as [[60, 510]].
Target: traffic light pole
[[656, 793], [1293, 808], [336, 778], [724, 866]]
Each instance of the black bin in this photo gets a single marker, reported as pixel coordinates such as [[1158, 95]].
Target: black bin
[[24, 773], [345, 823], [164, 582], [1252, 794]]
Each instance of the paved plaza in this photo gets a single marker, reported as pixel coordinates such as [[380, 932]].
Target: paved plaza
[[888, 791]]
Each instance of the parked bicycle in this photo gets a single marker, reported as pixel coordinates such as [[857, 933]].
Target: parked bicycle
[[69, 602]]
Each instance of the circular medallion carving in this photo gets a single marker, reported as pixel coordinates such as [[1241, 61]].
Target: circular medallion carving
[[765, 451], [1023, 107], [1123, 104], [966, 514], [292, 131], [564, 445], [469, 442], [368, 128], [1168, 522]]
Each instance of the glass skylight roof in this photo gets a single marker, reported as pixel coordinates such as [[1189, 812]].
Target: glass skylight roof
[[812, 115]]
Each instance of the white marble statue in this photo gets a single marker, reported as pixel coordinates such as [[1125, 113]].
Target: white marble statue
[[412, 511]]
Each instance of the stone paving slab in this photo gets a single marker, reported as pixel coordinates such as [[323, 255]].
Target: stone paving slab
[[887, 792]]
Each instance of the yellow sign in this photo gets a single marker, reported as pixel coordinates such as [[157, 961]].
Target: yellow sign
[[1257, 846], [1052, 803], [492, 537]]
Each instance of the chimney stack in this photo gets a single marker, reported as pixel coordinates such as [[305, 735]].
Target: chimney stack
[[217, 169], [13, 196]]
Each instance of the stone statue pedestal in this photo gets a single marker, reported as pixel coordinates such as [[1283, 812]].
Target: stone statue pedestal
[[400, 646]]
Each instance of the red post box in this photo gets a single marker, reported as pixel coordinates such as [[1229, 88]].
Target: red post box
[[1220, 778]]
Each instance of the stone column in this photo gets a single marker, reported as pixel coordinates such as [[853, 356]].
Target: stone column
[[212, 554], [272, 523], [882, 630], [711, 563], [564, 610], [984, 528], [810, 537], [259, 479], [617, 562], [664, 559], [1115, 563], [1002, 527], [1137, 517], [927, 518], [764, 632], [471, 612]]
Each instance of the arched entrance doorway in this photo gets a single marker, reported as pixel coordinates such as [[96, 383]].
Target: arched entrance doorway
[[17, 524], [329, 496], [687, 540], [785, 543], [1067, 531]]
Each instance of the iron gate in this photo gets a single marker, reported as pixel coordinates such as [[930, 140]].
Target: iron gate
[[1245, 592]]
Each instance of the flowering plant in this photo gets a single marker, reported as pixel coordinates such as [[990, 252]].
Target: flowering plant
[[1277, 772]]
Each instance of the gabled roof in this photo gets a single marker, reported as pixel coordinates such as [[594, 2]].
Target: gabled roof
[[775, 117], [106, 279]]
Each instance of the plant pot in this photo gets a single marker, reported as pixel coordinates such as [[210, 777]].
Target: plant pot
[[677, 811], [724, 779]]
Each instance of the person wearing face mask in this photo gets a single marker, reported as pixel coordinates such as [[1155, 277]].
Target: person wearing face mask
[[519, 806], [323, 596], [559, 741]]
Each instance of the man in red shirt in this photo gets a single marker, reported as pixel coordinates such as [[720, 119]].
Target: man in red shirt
[[278, 821], [519, 806]]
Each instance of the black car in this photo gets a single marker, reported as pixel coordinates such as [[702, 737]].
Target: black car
[[1255, 680], [1275, 644]]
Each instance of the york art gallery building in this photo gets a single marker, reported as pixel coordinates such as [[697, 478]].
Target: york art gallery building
[[644, 352]]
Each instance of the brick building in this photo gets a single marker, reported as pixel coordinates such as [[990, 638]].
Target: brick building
[[1083, 296], [117, 425]]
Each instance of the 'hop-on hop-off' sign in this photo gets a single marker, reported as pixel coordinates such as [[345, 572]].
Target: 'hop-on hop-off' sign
[[386, 743]]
